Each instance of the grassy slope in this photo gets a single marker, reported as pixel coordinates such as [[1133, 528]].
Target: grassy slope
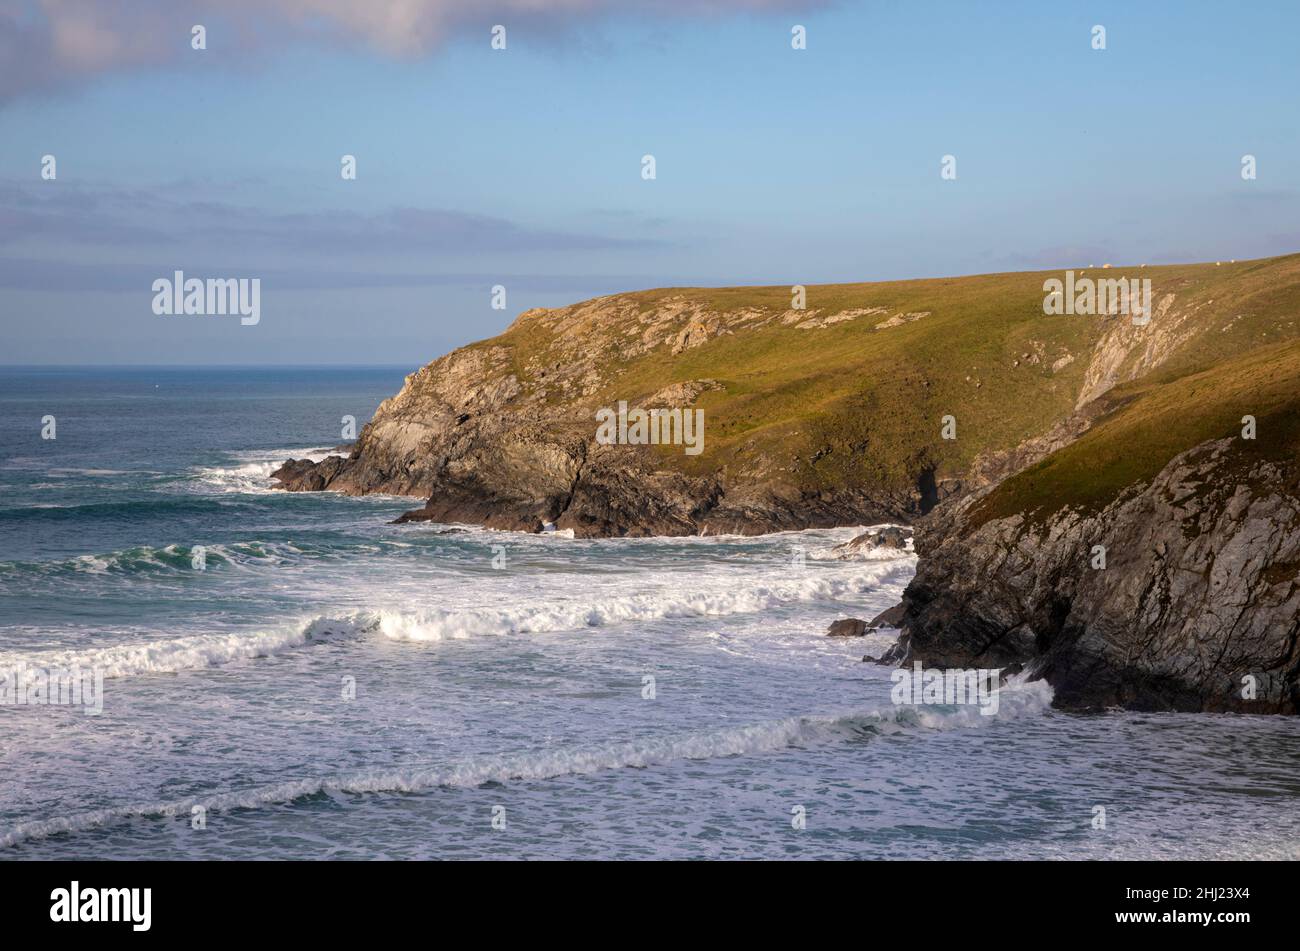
[[1152, 421], [868, 403], [875, 399], [1246, 363]]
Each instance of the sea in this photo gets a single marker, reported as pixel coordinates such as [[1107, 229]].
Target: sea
[[271, 675]]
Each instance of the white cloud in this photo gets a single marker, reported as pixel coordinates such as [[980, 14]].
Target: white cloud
[[47, 43]]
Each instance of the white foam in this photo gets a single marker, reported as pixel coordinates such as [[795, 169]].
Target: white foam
[[242, 556], [183, 653], [839, 551], [719, 599], [93, 564], [710, 597], [773, 736], [253, 474]]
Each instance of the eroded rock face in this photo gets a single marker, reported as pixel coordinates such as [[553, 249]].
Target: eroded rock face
[[1198, 603], [504, 436], [484, 449], [1127, 351]]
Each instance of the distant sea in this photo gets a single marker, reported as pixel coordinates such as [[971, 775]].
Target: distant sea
[[319, 683]]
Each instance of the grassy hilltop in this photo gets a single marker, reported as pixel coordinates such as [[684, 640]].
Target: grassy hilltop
[[833, 413], [858, 401]]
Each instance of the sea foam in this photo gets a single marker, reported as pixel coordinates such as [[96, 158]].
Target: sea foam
[[718, 599], [1019, 699]]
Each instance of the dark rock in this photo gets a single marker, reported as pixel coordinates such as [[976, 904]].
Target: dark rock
[[892, 538], [303, 475], [1201, 589], [890, 617], [847, 627], [897, 652]]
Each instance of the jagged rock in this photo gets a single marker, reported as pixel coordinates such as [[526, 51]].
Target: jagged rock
[[693, 334], [1201, 589], [895, 654], [307, 476], [890, 617], [1128, 351], [890, 538]]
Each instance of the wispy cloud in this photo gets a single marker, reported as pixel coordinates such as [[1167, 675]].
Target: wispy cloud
[[29, 274], [51, 43], [124, 218], [121, 236]]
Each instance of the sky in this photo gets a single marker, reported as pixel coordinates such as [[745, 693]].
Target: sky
[[522, 167]]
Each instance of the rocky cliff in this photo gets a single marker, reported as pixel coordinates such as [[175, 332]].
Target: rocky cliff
[[870, 401], [1129, 580], [1182, 594]]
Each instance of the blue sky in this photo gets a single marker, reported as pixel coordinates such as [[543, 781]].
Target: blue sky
[[522, 167]]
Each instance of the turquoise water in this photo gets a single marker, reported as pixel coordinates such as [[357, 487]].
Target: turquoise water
[[328, 684]]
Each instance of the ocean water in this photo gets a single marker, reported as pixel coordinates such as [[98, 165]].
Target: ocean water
[[330, 685]]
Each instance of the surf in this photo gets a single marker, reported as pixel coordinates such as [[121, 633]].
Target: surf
[[1021, 699]]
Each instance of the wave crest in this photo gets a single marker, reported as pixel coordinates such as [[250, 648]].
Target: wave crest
[[440, 624]]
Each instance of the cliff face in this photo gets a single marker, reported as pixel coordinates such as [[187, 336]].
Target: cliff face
[[485, 448], [1197, 606], [480, 456]]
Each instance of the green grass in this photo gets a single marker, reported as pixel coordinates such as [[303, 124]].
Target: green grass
[[1154, 420], [867, 405]]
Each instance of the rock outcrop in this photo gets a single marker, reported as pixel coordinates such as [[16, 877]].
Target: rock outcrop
[[847, 627], [887, 540], [484, 449], [1197, 606], [503, 433]]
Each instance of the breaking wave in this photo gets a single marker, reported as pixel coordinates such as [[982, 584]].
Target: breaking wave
[[198, 651], [252, 475], [438, 624], [185, 653]]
